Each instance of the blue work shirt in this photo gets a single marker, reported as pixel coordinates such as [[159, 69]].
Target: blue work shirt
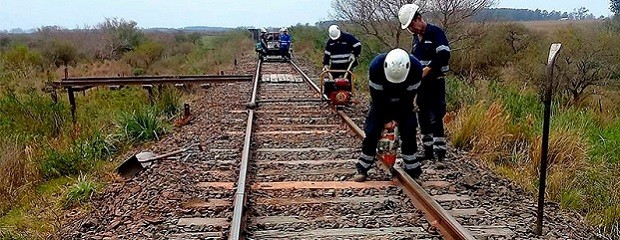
[[339, 51], [433, 50], [285, 41]]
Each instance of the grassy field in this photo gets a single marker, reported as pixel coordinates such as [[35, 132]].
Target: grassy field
[[493, 97], [550, 26], [51, 165]]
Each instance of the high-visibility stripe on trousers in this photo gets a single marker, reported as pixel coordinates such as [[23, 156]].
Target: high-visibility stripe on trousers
[[411, 162]]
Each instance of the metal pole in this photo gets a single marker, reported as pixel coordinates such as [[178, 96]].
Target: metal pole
[[555, 48]]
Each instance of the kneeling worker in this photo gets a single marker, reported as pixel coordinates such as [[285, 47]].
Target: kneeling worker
[[393, 80]]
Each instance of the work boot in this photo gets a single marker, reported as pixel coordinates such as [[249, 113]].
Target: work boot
[[360, 177], [427, 144], [414, 173], [364, 163], [427, 154], [439, 146], [441, 155]]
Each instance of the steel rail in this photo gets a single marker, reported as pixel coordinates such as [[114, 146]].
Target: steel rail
[[237, 224], [101, 81], [434, 213], [256, 80]]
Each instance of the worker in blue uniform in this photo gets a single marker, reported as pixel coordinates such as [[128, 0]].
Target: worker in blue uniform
[[394, 79], [432, 48], [341, 49], [285, 44]]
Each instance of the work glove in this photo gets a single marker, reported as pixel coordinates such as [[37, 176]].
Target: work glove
[[352, 58], [325, 68]]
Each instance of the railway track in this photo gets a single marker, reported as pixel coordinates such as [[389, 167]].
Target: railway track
[[297, 157], [280, 170]]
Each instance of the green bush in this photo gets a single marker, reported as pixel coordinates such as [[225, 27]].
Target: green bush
[[81, 156], [31, 113], [141, 125], [80, 192], [519, 103], [606, 144], [144, 55], [59, 53], [58, 163], [20, 57], [459, 94], [168, 102], [138, 71]]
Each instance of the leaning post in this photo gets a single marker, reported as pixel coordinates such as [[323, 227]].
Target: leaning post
[[553, 53]]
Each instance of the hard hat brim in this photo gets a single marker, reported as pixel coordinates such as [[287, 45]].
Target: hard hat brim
[[396, 80], [415, 10], [405, 26]]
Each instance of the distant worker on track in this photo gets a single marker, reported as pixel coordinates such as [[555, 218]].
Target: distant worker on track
[[263, 40], [394, 79], [341, 49], [431, 47], [285, 44]]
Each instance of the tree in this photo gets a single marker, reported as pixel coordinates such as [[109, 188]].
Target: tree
[[379, 18], [615, 6], [584, 62], [144, 55], [581, 14], [120, 37], [453, 14], [60, 53]]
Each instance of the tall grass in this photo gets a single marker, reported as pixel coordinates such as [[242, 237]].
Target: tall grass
[[29, 113], [459, 94], [606, 144], [168, 102], [19, 171], [80, 192], [141, 125], [42, 152], [81, 156], [584, 174]]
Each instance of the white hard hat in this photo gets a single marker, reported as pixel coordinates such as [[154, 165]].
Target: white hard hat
[[284, 29], [406, 13], [334, 32], [263, 30], [396, 65]]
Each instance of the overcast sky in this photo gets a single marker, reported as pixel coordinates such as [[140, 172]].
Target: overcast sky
[[28, 14]]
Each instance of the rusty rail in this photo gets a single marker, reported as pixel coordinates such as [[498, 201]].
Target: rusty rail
[[72, 84], [257, 78], [312, 84], [143, 80], [237, 224], [434, 213]]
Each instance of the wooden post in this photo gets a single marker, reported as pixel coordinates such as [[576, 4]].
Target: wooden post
[[72, 102]]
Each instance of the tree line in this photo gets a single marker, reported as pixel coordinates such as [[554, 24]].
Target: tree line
[[510, 14]]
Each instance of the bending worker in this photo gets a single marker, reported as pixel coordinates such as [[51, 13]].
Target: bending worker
[[393, 81]]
